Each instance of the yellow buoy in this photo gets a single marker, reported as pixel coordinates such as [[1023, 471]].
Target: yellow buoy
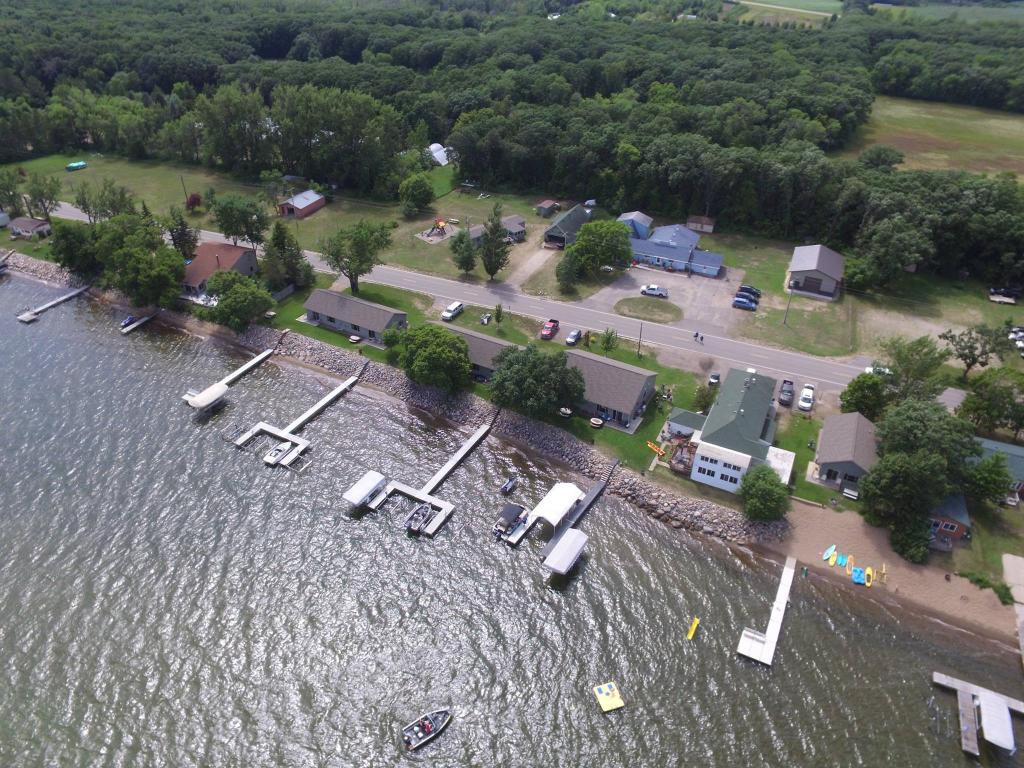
[[869, 576], [608, 697], [693, 628], [849, 566]]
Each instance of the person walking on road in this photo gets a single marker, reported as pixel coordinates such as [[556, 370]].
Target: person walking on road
[[702, 338], [696, 335]]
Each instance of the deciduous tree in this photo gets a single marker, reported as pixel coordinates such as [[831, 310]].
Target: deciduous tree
[[436, 357], [11, 201], [765, 497], [867, 394], [913, 366], [463, 252], [240, 300], [975, 347], [416, 191], [355, 250], [43, 193], [534, 382], [599, 244]]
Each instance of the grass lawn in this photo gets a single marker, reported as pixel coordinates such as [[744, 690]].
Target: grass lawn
[[1001, 12], [516, 329], [759, 14], [945, 136], [995, 530], [649, 308], [821, 328], [38, 250], [544, 283], [796, 433], [443, 180], [821, 6]]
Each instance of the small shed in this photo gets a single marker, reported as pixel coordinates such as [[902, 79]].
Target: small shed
[[638, 222], [515, 227], [815, 271], [704, 224], [547, 208], [302, 205]]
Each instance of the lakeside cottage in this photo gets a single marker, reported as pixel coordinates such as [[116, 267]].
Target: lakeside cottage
[[815, 271], [352, 316], [847, 450], [25, 227], [736, 435], [210, 258], [672, 247], [616, 392], [302, 205], [515, 230]]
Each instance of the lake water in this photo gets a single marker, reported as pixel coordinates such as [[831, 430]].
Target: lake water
[[168, 600]]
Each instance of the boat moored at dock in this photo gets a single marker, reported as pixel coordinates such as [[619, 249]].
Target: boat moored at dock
[[419, 518], [511, 515]]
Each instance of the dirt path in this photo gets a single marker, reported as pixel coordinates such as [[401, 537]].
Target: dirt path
[[524, 271]]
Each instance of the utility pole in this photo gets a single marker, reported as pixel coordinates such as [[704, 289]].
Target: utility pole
[[184, 190], [786, 316], [640, 339]]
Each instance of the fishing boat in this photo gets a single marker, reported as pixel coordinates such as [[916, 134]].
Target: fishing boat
[[509, 485], [507, 520], [128, 321], [418, 518], [426, 728], [828, 552], [278, 452]]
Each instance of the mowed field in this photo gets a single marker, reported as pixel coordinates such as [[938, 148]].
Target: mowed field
[[775, 14], [944, 136], [1002, 12]]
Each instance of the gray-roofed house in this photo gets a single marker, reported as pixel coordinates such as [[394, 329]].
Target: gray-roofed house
[[735, 436], [476, 234], [616, 392], [704, 224], [302, 205], [483, 349], [950, 522], [847, 450], [26, 227], [1014, 455], [564, 229], [638, 222], [546, 208], [515, 227], [353, 316], [815, 271]]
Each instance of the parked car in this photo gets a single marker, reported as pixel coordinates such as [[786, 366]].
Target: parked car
[[654, 290], [607, 268], [750, 289], [749, 296], [574, 336], [878, 370], [452, 311], [714, 379], [1010, 292], [806, 401], [743, 303], [786, 392], [549, 330]]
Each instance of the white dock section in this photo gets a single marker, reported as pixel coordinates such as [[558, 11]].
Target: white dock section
[[326, 400], [33, 314], [238, 373], [213, 394], [1013, 575], [456, 459], [994, 719], [137, 324], [761, 646]]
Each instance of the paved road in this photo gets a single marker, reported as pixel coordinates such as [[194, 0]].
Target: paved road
[[830, 374]]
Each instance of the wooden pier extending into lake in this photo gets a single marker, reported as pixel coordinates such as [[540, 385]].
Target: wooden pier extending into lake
[[760, 646], [993, 719], [137, 324], [31, 315]]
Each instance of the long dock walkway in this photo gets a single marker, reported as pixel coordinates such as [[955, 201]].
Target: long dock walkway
[[760, 646], [239, 372], [1013, 575], [137, 324], [32, 315], [994, 721], [457, 457]]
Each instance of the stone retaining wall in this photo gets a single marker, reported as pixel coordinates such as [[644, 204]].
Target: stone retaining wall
[[674, 509]]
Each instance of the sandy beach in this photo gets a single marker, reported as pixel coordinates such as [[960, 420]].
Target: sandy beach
[[927, 588]]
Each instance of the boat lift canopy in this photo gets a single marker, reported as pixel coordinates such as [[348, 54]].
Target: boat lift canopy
[[208, 398], [365, 489], [556, 504], [566, 552]]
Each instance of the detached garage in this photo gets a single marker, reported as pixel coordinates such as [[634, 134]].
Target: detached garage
[[303, 205], [815, 271]]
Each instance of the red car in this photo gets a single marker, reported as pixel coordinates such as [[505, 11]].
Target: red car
[[549, 330]]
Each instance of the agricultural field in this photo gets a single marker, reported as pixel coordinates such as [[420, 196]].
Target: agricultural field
[[938, 136], [798, 12], [1001, 12]]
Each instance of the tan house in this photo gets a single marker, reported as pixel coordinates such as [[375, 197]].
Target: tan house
[[815, 271], [210, 258]]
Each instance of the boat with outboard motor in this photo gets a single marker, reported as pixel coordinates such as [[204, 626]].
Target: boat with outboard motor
[[426, 728], [508, 519], [509, 485], [128, 321], [418, 518]]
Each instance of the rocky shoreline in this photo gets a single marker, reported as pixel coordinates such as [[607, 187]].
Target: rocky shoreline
[[674, 509]]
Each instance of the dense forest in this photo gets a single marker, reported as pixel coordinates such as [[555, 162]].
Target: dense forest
[[635, 109]]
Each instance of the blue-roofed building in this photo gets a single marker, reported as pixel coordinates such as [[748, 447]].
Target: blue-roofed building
[[672, 247]]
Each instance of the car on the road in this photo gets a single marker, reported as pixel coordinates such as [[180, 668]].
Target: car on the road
[[452, 311], [787, 392], [574, 336], [607, 268], [750, 289], [550, 329], [806, 401], [742, 303], [654, 290]]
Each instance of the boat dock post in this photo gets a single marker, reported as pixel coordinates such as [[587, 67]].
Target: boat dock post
[[761, 646], [137, 324], [32, 315], [993, 720]]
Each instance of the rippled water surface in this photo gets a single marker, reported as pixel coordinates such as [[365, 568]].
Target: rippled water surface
[[167, 600]]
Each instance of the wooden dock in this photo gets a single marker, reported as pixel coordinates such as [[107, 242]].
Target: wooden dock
[[761, 646], [1013, 575], [210, 397], [239, 372], [137, 324], [32, 315], [994, 722]]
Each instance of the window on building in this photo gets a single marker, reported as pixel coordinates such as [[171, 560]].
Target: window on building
[[314, 315], [372, 334], [950, 527], [734, 467], [355, 327], [331, 319], [708, 460], [705, 471], [729, 478]]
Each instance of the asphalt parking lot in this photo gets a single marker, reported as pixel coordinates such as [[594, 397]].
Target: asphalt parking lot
[[706, 302]]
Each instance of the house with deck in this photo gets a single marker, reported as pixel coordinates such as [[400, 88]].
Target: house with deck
[[736, 435], [483, 350], [672, 247], [353, 316], [210, 258], [815, 271], [847, 450]]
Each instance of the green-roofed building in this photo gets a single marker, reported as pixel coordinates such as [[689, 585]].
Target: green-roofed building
[[736, 434]]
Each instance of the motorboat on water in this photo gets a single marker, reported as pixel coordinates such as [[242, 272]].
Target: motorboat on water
[[278, 452], [128, 321], [508, 519], [509, 485], [426, 728], [418, 518]]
